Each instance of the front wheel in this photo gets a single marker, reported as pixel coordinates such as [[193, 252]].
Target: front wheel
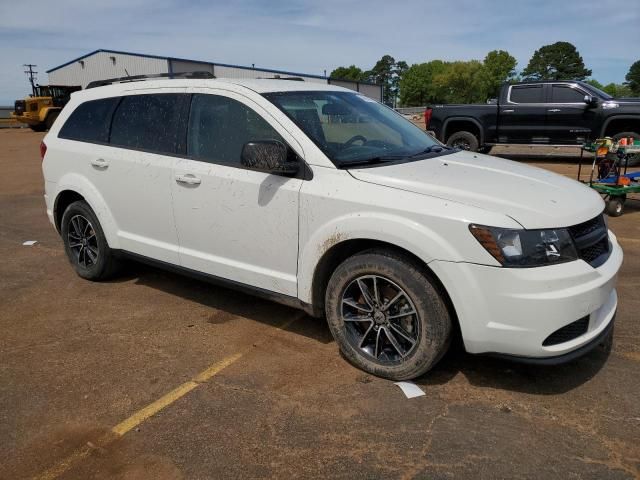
[[615, 206], [386, 315], [85, 243]]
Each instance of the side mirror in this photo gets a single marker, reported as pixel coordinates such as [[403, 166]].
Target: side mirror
[[268, 156], [590, 100]]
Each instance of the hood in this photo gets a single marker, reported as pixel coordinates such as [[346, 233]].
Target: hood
[[533, 197]]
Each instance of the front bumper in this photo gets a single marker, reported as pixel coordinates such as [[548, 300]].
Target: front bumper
[[511, 311]]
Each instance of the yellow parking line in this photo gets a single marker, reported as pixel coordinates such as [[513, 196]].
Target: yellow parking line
[[146, 412]]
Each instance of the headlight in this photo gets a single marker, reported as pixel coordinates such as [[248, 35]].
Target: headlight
[[526, 248]]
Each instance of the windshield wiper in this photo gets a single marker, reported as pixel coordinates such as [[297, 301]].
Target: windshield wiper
[[431, 149], [372, 160]]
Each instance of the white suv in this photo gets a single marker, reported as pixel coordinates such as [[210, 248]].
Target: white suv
[[321, 198]]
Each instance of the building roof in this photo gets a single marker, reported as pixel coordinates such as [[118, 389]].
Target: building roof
[[143, 55]]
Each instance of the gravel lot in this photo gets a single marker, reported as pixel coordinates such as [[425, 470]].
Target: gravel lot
[[79, 358]]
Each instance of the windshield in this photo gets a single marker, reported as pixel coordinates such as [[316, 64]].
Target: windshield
[[353, 129], [597, 91]]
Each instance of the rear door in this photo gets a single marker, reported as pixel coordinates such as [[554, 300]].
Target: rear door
[[522, 115], [569, 119], [134, 173]]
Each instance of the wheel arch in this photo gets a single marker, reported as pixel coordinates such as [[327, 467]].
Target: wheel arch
[[620, 123], [451, 125], [339, 252], [75, 187]]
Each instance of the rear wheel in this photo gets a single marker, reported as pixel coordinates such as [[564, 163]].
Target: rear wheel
[[464, 141], [85, 243], [634, 160], [386, 315], [38, 128]]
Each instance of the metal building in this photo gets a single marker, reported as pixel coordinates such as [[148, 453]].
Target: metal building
[[102, 64]]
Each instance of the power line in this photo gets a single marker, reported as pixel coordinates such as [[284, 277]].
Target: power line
[[31, 73]]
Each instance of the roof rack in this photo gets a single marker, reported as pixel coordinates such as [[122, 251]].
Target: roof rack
[[138, 78], [278, 77]]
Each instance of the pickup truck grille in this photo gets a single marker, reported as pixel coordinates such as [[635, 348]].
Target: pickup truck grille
[[592, 241], [19, 107]]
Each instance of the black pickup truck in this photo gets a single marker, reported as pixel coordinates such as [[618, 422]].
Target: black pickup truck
[[536, 113]]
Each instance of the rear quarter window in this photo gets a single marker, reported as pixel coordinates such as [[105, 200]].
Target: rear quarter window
[[89, 122]]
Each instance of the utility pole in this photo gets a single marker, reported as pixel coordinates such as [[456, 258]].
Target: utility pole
[[32, 76]]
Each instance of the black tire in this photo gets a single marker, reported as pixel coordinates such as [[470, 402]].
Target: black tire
[[48, 122], [430, 327], [615, 206], [464, 141], [38, 128], [634, 160], [485, 149], [88, 242]]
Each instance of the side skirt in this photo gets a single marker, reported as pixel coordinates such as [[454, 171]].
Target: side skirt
[[223, 282]]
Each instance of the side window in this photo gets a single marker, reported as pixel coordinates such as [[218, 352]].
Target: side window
[[566, 94], [149, 122], [220, 126], [89, 122], [526, 94]]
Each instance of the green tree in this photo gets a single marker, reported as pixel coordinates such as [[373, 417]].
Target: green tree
[[399, 70], [461, 82], [616, 90], [559, 61], [349, 73], [595, 83], [633, 78], [416, 86], [498, 67], [388, 72]]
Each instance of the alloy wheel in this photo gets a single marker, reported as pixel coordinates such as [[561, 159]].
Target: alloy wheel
[[83, 241], [380, 319]]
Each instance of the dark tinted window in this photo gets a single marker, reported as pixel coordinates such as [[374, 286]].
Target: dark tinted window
[[149, 122], [219, 127], [526, 94], [566, 94], [90, 121]]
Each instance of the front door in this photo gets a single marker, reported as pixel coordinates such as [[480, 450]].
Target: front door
[[235, 223], [569, 119], [522, 116]]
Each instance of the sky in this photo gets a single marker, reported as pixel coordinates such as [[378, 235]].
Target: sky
[[309, 36]]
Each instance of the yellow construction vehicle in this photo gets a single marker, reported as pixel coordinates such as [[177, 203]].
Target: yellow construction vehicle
[[40, 109]]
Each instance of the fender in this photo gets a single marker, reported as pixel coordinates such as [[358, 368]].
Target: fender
[[404, 233], [466, 119], [610, 119], [81, 185]]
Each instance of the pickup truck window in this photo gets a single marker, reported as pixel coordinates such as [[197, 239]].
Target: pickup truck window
[[566, 94], [526, 94]]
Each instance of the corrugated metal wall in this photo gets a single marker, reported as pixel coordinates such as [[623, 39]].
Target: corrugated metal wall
[[104, 65]]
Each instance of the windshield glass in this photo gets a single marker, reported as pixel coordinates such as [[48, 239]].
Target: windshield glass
[[597, 91], [353, 129]]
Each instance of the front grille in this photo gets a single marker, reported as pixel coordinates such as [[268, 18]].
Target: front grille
[[568, 332], [19, 107], [592, 241]]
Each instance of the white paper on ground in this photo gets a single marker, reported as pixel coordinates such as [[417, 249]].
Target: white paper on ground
[[411, 390], [28, 243]]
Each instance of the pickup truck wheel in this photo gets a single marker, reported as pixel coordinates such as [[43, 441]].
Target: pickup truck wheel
[[634, 160], [386, 315], [463, 141], [85, 243], [38, 128]]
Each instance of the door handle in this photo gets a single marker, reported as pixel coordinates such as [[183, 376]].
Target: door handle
[[507, 111], [100, 163], [554, 110], [188, 179]]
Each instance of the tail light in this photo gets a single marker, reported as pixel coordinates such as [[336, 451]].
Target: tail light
[[427, 118], [43, 150]]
